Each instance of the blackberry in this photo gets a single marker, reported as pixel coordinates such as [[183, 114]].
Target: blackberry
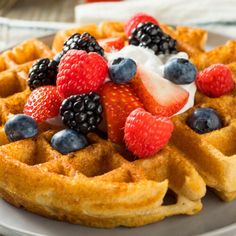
[[84, 42], [42, 72], [82, 112], [151, 36]]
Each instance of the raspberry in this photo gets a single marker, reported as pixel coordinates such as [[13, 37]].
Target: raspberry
[[43, 103], [215, 81], [146, 134], [80, 72], [134, 21]]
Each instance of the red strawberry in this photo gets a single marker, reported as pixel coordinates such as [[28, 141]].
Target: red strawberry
[[133, 22], [159, 96], [80, 72], [118, 101], [146, 134], [215, 80], [111, 44], [43, 103]]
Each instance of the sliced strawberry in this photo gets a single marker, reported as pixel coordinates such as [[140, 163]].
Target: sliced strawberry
[[111, 44], [118, 100], [158, 95]]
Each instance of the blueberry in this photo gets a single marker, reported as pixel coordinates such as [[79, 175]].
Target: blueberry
[[122, 70], [68, 140], [20, 127], [180, 71], [204, 120]]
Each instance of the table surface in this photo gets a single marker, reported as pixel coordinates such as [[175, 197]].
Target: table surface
[[43, 10]]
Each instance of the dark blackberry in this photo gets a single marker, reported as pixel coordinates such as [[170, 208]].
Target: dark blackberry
[[58, 57], [42, 72], [151, 36], [84, 42], [82, 112]]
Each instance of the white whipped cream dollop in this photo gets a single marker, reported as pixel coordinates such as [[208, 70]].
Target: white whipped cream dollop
[[147, 58]]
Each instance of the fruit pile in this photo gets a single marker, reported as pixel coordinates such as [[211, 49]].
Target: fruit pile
[[81, 86]]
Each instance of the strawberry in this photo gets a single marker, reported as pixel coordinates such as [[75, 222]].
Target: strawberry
[[146, 134], [215, 80], [80, 72], [112, 44], [134, 21], [118, 101], [43, 103], [158, 95]]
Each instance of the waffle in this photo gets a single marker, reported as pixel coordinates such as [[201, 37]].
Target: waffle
[[213, 154], [95, 186], [100, 185]]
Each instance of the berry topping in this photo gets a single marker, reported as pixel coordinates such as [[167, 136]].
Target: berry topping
[[58, 57], [80, 72], [112, 44], [204, 120], [82, 112], [151, 36], [122, 70], [43, 72], [43, 103], [19, 127], [215, 80], [118, 101], [67, 140], [158, 95], [134, 21], [146, 134], [84, 42], [180, 71]]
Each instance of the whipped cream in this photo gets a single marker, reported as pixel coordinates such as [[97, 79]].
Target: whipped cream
[[147, 58]]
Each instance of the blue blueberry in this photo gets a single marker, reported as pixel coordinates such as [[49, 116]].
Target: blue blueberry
[[204, 120], [20, 127], [122, 70], [180, 71], [68, 140]]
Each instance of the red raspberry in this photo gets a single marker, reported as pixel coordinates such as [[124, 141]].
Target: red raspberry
[[215, 80], [43, 103], [146, 134], [133, 22], [80, 72]]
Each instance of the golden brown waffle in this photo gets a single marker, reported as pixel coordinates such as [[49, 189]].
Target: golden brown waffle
[[14, 67], [96, 186], [24, 55], [224, 54], [213, 154]]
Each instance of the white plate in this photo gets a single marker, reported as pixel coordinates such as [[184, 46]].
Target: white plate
[[216, 218]]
